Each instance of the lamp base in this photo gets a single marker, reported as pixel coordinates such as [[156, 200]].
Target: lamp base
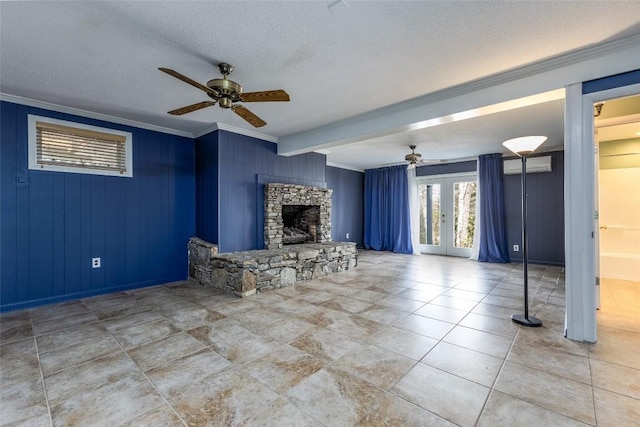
[[531, 321]]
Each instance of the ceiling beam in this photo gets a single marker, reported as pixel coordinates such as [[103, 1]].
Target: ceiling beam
[[447, 105]]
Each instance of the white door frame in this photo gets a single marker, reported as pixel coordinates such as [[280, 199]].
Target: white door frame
[[579, 209], [446, 234], [596, 218]]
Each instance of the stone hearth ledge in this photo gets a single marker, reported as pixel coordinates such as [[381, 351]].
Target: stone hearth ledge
[[248, 272]]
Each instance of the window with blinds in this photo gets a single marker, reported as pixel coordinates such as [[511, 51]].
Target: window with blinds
[[73, 147]]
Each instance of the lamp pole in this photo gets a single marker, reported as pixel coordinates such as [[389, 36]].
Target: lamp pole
[[523, 147]]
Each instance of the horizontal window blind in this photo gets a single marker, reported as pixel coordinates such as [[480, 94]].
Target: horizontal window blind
[[68, 146]]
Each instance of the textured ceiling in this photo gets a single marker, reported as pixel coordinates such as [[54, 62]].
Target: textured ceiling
[[471, 137], [335, 59]]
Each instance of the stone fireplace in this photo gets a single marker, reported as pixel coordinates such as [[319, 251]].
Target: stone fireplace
[[296, 214]]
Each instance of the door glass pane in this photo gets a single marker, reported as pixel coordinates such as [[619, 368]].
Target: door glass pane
[[464, 213], [429, 214]]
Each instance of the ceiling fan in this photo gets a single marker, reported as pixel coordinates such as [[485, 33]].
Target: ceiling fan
[[227, 93], [415, 159]]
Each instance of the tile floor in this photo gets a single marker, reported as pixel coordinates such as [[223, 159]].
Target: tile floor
[[398, 341]]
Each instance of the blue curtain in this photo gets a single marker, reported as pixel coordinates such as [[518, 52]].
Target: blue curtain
[[493, 223], [387, 223]]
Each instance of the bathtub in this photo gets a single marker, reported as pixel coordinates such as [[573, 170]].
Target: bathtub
[[620, 265]]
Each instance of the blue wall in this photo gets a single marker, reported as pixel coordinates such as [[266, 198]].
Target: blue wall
[[545, 210], [53, 223], [245, 165], [618, 80], [347, 204], [545, 213], [458, 167], [207, 187]]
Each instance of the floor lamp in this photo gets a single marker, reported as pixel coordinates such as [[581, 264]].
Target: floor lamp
[[523, 147]]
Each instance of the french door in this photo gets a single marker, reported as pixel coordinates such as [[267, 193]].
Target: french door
[[447, 215]]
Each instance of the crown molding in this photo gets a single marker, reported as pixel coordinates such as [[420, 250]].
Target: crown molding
[[90, 115], [529, 70], [119, 120], [222, 126], [344, 131]]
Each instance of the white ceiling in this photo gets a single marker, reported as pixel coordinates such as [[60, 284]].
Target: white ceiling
[[459, 140], [337, 60]]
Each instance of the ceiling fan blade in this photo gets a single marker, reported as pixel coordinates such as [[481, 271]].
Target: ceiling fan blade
[[423, 162], [266, 96], [185, 79], [192, 108], [243, 112]]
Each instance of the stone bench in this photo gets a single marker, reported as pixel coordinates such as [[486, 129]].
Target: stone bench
[[248, 272]]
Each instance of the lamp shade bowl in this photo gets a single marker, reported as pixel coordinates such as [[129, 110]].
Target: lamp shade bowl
[[525, 144]]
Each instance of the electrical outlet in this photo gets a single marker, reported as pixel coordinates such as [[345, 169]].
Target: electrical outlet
[[516, 248], [347, 235], [95, 262]]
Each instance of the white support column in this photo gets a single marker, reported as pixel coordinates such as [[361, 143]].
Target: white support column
[[580, 206], [579, 212]]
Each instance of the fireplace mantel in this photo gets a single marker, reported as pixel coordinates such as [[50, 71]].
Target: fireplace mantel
[[276, 195]]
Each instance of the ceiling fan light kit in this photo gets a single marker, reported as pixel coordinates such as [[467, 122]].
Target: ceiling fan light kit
[[227, 93], [414, 159]]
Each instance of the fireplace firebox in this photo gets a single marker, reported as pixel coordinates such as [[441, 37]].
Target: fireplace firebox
[[296, 214], [300, 224]]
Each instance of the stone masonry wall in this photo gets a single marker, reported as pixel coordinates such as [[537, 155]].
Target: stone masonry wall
[[276, 195], [248, 272], [200, 252]]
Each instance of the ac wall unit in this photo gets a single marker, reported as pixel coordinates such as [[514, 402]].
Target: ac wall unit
[[534, 164]]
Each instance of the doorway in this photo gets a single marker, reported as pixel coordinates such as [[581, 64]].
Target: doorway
[[618, 221], [447, 209], [580, 204]]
